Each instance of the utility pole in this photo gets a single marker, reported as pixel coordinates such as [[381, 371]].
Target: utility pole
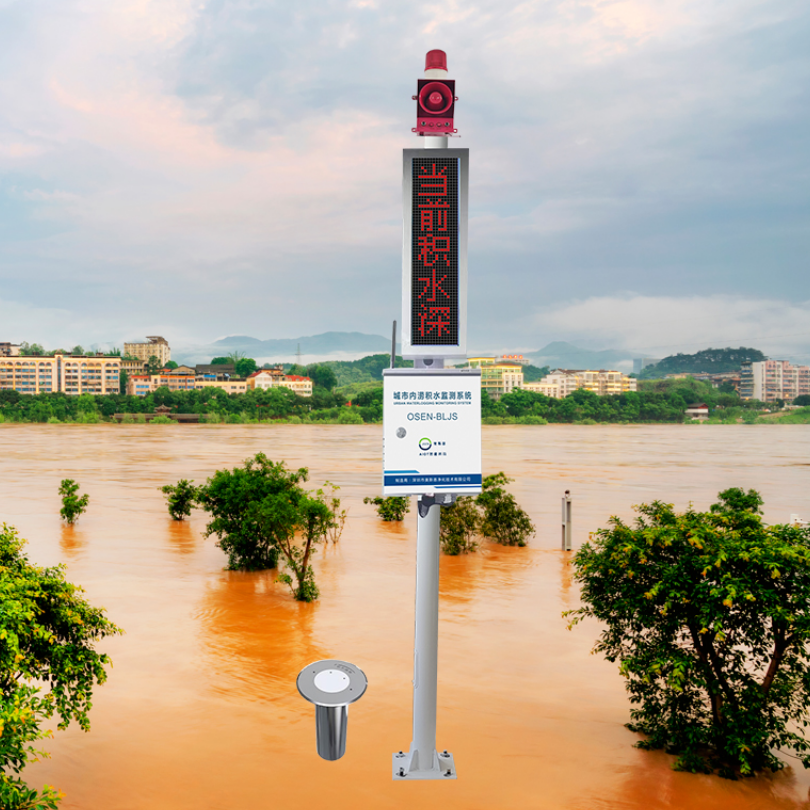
[[432, 414]]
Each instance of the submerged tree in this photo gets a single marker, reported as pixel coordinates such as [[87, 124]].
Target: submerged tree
[[460, 522], [392, 508], [47, 664], [73, 505], [260, 511], [309, 519], [180, 498], [502, 519], [708, 615]]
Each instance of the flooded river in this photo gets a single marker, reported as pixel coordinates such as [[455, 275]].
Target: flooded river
[[201, 711]]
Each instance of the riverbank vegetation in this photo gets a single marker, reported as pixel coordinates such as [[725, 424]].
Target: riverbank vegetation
[[47, 665], [708, 617], [656, 401]]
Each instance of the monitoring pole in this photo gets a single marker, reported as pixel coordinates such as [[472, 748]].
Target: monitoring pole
[[432, 414]]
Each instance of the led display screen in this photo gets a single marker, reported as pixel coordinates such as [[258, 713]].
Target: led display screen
[[434, 252]]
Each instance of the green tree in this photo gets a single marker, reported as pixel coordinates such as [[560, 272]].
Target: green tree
[[73, 505], [171, 364], [123, 379], [180, 498], [502, 520], [77, 350], [708, 615], [460, 522], [391, 508], [153, 365], [245, 366], [322, 376], [47, 664], [305, 516], [220, 361]]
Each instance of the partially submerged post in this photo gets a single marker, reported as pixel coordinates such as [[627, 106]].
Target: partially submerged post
[[432, 414], [566, 521]]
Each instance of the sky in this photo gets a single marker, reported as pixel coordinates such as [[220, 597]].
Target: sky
[[639, 170]]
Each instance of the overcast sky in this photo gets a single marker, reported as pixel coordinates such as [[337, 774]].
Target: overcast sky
[[640, 170]]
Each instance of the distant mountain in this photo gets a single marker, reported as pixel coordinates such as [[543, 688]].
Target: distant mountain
[[711, 361], [560, 354], [326, 346]]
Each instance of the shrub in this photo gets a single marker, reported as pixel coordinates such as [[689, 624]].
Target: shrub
[[502, 519], [259, 512], [180, 498], [459, 524], [531, 419], [392, 508], [708, 615], [47, 631], [73, 505], [162, 419], [350, 416]]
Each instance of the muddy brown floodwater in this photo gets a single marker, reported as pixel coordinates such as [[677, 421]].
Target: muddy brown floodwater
[[201, 711]]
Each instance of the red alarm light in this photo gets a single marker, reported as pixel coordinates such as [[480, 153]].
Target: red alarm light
[[435, 98]]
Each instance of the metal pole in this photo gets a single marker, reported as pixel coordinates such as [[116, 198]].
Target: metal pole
[[422, 760], [566, 521], [426, 635]]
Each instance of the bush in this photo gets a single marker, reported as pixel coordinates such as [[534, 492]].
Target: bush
[[259, 512], [47, 631], [180, 498], [73, 505], [392, 508], [162, 419], [350, 416], [459, 524], [531, 419], [502, 519], [708, 615]]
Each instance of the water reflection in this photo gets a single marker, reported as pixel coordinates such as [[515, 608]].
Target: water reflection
[[256, 638], [72, 540], [182, 538]]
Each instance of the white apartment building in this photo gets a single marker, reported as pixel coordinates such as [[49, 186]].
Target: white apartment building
[[562, 382], [70, 374], [267, 378], [769, 380], [156, 347]]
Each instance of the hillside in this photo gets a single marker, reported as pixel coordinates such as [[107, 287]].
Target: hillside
[[707, 361]]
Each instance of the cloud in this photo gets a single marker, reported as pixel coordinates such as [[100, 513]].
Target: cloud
[[235, 167], [663, 325]]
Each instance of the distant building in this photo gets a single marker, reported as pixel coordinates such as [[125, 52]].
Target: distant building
[[156, 347], [9, 350], [140, 385], [219, 370], [70, 374], [562, 382], [640, 363], [498, 377], [266, 378], [135, 366], [769, 380], [699, 411], [231, 386], [515, 358]]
